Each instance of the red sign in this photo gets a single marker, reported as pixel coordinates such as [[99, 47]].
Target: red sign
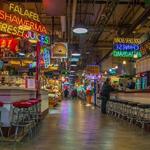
[[10, 43]]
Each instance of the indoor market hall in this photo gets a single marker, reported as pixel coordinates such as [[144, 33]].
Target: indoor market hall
[[75, 126], [74, 74]]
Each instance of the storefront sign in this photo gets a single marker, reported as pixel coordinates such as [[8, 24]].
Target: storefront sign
[[145, 48], [1, 64], [127, 40], [126, 47], [74, 59], [10, 43], [35, 37], [92, 69], [59, 50], [147, 2], [30, 83], [24, 12], [46, 57], [11, 29], [14, 19]]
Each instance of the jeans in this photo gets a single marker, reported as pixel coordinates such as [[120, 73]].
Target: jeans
[[103, 104]]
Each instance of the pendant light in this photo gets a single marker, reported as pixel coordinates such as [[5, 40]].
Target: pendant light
[[80, 29]]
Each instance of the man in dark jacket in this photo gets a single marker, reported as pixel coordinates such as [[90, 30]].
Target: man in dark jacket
[[105, 94]]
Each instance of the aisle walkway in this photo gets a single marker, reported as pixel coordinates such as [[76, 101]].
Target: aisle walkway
[[73, 126]]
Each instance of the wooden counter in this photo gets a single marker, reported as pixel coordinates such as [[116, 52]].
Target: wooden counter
[[8, 95]]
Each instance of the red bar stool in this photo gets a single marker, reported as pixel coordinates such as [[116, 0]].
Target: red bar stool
[[1, 124], [21, 116]]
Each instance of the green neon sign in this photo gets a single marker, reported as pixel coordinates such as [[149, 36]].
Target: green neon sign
[[129, 54], [147, 2]]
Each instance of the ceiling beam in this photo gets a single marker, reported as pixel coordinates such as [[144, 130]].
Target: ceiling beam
[[123, 2]]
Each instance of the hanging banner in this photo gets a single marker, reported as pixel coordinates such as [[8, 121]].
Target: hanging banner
[[126, 47], [59, 50]]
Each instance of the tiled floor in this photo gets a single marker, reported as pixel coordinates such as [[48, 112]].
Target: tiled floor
[[73, 126]]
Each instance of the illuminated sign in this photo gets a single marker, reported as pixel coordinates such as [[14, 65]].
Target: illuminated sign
[[145, 48], [13, 19], [126, 47], [147, 2], [46, 57], [59, 50], [10, 43], [127, 40], [26, 13], [34, 37], [74, 59], [1, 64], [13, 30], [92, 69]]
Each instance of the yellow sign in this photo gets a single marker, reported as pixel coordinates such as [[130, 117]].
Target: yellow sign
[[93, 69], [21, 22], [14, 62], [127, 40], [4, 27], [26, 13], [59, 50]]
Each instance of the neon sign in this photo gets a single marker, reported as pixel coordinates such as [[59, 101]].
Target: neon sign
[[130, 54], [127, 40], [4, 27], [10, 43], [33, 36], [13, 19], [46, 57], [126, 47], [26, 13]]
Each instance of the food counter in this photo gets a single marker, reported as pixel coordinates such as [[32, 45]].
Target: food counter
[[140, 96], [8, 95]]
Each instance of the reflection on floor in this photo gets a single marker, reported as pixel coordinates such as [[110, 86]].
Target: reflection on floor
[[73, 126]]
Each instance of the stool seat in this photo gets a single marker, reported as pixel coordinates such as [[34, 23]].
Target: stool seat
[[1, 104], [22, 104], [34, 102], [34, 99]]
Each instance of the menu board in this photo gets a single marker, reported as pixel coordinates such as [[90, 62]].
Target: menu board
[[31, 83]]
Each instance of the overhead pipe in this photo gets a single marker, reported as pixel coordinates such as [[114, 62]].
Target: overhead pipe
[[63, 23], [74, 12], [74, 9]]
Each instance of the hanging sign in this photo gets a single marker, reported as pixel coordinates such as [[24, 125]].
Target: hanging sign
[[126, 47], [145, 47], [10, 43], [46, 57], [34, 37], [92, 69], [20, 21], [147, 2], [59, 50]]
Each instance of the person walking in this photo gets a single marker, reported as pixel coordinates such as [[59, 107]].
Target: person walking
[[105, 94]]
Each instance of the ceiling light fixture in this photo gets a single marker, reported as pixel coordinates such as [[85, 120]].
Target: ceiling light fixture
[[76, 54], [73, 65], [21, 54], [80, 30]]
